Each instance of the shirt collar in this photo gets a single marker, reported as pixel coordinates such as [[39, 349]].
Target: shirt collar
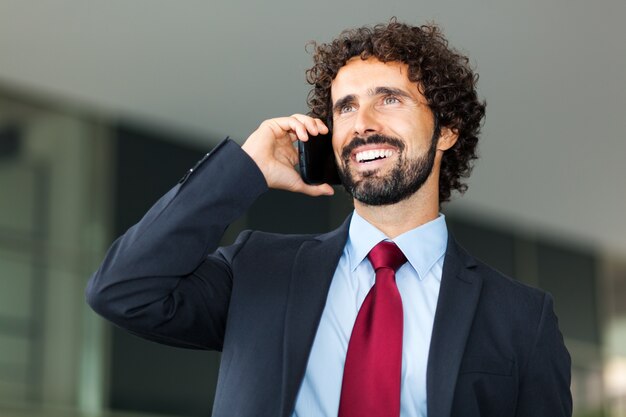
[[422, 246]]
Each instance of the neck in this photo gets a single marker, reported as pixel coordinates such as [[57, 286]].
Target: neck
[[395, 219]]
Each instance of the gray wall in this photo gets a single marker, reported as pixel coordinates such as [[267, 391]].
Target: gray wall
[[553, 73]]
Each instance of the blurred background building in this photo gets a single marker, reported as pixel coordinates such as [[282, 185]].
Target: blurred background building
[[105, 105]]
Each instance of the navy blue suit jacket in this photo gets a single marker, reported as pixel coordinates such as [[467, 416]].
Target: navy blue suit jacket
[[496, 349]]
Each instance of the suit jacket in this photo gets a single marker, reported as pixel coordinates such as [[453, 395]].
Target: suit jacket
[[496, 349]]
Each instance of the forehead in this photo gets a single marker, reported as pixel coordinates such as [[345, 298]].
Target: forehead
[[359, 76]]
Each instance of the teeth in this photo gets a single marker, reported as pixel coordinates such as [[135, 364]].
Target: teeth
[[366, 156]]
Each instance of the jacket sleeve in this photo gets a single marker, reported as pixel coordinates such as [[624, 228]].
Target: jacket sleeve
[[545, 382], [163, 279]]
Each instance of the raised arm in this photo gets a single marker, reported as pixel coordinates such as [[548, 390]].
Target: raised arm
[[165, 279]]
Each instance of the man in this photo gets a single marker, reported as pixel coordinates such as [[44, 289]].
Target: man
[[320, 325]]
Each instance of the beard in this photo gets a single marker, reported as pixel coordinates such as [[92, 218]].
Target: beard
[[405, 178]]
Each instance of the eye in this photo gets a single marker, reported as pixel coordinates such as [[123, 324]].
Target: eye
[[346, 109], [391, 100]]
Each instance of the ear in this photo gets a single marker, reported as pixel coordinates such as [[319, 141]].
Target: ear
[[447, 139]]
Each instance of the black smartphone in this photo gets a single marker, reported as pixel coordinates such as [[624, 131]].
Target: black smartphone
[[317, 160]]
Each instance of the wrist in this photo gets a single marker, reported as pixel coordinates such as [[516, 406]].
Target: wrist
[[256, 157]]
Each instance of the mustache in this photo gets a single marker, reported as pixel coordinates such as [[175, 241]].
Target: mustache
[[370, 140]]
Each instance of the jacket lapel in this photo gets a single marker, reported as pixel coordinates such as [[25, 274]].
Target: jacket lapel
[[458, 297], [313, 269]]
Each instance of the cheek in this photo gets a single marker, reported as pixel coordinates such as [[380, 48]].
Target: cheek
[[419, 136], [342, 135], [341, 125], [336, 145]]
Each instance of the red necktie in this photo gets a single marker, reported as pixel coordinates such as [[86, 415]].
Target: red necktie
[[371, 376]]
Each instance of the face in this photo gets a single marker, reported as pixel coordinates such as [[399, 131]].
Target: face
[[384, 134]]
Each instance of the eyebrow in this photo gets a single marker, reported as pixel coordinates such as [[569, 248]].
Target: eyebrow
[[378, 91]]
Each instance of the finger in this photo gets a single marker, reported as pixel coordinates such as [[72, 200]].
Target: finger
[[314, 125], [282, 126], [321, 126], [293, 125], [300, 128], [315, 190], [308, 122]]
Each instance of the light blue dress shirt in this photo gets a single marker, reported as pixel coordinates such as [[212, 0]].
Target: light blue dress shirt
[[418, 282]]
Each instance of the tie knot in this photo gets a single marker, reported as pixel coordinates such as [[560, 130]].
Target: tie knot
[[386, 255]]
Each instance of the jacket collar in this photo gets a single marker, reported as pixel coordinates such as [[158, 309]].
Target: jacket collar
[[313, 270], [458, 298]]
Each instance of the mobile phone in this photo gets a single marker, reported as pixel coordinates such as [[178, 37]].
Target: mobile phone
[[317, 160]]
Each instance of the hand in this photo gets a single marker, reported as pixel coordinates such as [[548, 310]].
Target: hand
[[271, 146]]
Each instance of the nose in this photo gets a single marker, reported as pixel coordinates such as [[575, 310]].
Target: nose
[[366, 122]]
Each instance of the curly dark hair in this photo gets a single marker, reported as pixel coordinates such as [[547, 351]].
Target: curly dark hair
[[443, 75]]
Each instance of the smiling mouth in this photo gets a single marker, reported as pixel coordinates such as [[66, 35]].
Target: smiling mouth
[[373, 155], [371, 150]]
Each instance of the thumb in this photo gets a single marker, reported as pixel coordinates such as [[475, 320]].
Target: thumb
[[315, 190]]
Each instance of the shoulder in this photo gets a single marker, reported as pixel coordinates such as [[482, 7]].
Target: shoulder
[[266, 245], [518, 313], [500, 290]]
